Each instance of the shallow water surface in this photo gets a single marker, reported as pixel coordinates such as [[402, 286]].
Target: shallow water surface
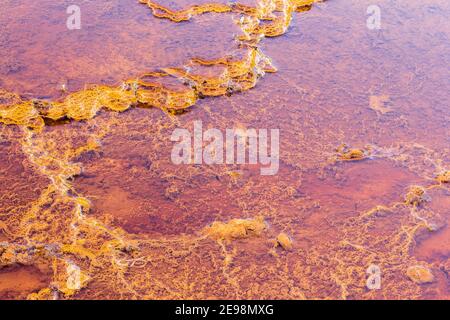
[[96, 208]]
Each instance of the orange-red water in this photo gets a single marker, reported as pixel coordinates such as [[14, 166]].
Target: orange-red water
[[143, 234]]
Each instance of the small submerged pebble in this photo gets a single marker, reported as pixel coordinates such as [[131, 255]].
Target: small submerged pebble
[[284, 241], [420, 274]]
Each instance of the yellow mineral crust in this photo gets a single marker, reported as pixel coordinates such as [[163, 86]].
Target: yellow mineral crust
[[264, 10], [186, 14], [415, 196], [277, 14], [420, 274], [22, 113], [239, 75], [44, 294], [12, 254], [236, 229], [444, 177]]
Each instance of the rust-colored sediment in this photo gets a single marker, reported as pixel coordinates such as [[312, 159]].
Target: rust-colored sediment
[[94, 208]]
